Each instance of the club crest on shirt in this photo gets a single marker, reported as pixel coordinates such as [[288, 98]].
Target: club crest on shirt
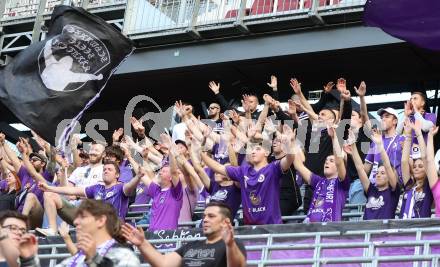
[[255, 199], [319, 202], [109, 194], [161, 199], [261, 178]]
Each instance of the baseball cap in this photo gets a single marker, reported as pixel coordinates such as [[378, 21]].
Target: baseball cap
[[41, 157], [389, 110], [178, 141]]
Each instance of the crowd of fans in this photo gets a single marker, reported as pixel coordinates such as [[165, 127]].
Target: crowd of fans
[[269, 162]]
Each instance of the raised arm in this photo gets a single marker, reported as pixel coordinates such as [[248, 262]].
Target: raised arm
[[429, 161], [166, 139], [9, 153], [390, 171], [214, 165], [425, 124], [361, 91], [203, 177], [405, 167], [337, 152], [287, 143], [363, 177], [296, 86], [130, 187], [298, 163], [30, 168], [64, 190], [136, 236], [215, 88]]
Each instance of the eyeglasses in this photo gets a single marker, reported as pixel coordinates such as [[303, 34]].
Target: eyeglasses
[[35, 159], [213, 107], [15, 228]]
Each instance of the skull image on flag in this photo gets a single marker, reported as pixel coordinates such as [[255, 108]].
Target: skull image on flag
[[59, 78]]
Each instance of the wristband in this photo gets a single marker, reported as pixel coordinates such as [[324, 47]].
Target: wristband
[[30, 261]]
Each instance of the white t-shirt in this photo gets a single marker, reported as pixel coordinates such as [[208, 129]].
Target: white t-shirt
[[87, 175]]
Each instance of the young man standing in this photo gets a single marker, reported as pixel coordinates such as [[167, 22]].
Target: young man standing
[[218, 250], [259, 181]]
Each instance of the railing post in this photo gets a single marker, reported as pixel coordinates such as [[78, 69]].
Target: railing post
[[2, 9], [313, 13], [2, 38], [128, 15], [38, 21], [241, 13], [85, 4], [192, 26]]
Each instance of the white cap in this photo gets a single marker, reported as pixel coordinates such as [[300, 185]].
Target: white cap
[[387, 110]]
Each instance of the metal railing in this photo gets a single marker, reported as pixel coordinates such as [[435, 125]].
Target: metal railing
[[16, 9], [416, 247], [184, 15]]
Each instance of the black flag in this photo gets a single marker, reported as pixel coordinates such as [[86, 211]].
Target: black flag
[[60, 77]]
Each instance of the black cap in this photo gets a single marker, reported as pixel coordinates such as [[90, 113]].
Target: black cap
[[38, 155]]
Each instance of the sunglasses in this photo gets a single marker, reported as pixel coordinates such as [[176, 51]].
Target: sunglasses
[[35, 159]]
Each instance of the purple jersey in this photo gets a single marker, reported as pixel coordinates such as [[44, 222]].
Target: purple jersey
[[125, 172], [230, 195], [114, 195], [4, 185], [142, 197], [417, 203], [381, 204], [260, 192], [393, 147], [427, 116], [165, 210], [328, 199], [28, 183]]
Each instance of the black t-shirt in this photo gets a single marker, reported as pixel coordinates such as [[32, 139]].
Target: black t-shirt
[[290, 193], [7, 200], [201, 254]]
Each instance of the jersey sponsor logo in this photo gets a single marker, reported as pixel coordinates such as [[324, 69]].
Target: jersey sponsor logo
[[109, 194], [200, 254]]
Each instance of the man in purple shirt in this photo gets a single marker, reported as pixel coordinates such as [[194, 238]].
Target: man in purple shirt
[[259, 181], [111, 191], [392, 143], [167, 195], [330, 191]]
